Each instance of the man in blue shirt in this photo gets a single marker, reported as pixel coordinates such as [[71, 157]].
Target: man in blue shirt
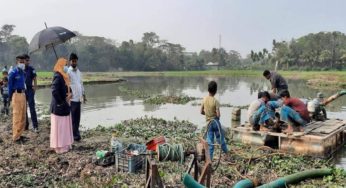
[[16, 89], [31, 86]]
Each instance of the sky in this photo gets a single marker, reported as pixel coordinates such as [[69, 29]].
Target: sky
[[243, 25]]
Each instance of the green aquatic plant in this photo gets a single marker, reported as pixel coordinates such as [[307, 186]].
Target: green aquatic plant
[[161, 99], [133, 92], [224, 105]]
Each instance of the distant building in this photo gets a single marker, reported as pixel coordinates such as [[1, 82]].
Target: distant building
[[212, 66], [189, 53]]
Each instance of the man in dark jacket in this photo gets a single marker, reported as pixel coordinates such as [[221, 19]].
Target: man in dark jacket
[[278, 83], [31, 86]]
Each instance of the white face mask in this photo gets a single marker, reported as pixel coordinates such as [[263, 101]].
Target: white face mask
[[65, 69], [21, 66]]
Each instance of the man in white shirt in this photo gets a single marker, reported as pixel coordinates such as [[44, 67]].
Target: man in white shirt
[[262, 98], [78, 95]]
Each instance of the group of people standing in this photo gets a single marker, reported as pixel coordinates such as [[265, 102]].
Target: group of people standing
[[262, 112], [18, 87]]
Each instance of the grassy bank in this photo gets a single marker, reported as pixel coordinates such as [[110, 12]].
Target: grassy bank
[[45, 78], [316, 79]]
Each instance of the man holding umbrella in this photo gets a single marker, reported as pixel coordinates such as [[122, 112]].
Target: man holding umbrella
[[16, 89], [78, 95], [31, 86]]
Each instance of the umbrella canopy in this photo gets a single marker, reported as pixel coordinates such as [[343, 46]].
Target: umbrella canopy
[[50, 37]]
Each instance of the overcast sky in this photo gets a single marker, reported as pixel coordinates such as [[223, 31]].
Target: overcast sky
[[196, 24]]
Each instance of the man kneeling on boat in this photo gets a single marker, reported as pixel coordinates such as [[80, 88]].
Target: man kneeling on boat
[[294, 112], [264, 117], [253, 107]]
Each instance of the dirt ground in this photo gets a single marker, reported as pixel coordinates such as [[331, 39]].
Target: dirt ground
[[33, 164]]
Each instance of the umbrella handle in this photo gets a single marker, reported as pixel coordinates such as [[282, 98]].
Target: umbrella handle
[[56, 56], [55, 52]]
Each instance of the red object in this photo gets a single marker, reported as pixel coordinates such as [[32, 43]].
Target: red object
[[298, 105], [152, 144]]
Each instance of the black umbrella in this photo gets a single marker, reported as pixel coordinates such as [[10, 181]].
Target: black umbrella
[[50, 37]]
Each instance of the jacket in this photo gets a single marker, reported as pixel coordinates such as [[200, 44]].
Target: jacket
[[59, 105]]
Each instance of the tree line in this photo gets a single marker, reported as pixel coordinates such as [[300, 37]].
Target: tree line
[[319, 51], [102, 54]]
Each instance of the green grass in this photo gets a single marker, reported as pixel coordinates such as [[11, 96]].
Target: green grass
[[290, 74], [45, 74], [326, 79]]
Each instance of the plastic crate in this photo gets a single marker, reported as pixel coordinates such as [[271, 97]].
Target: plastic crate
[[125, 162]]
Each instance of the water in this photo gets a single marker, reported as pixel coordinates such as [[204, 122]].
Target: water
[[107, 105]]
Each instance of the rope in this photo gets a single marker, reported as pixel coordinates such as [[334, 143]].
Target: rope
[[171, 152]]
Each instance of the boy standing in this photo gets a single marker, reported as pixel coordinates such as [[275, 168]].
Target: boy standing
[[211, 109], [5, 96]]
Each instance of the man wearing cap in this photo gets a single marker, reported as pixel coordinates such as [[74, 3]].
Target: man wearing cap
[[316, 107], [31, 86], [16, 88], [78, 95]]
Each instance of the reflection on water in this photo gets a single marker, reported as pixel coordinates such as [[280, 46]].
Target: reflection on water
[[107, 105]]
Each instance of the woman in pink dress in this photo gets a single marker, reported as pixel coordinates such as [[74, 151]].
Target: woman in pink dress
[[61, 136]]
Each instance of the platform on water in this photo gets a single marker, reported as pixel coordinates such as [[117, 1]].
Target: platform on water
[[320, 138]]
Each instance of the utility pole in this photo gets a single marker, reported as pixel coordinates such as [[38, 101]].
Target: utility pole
[[218, 66], [219, 41]]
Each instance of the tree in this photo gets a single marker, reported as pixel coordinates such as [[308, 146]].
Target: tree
[[5, 32], [150, 39], [234, 59]]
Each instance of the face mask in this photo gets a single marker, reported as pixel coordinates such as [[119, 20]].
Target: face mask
[[21, 66], [65, 69]]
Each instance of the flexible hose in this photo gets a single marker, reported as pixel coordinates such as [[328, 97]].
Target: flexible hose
[[247, 183], [297, 177], [287, 180], [342, 92], [189, 182]]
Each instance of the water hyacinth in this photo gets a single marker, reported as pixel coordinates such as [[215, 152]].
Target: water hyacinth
[[161, 99], [147, 128], [224, 105], [133, 92], [158, 99]]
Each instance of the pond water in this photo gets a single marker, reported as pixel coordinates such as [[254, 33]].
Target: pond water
[[108, 104]]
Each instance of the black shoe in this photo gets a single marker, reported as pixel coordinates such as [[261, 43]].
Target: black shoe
[[77, 139], [24, 139], [18, 141], [21, 140]]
